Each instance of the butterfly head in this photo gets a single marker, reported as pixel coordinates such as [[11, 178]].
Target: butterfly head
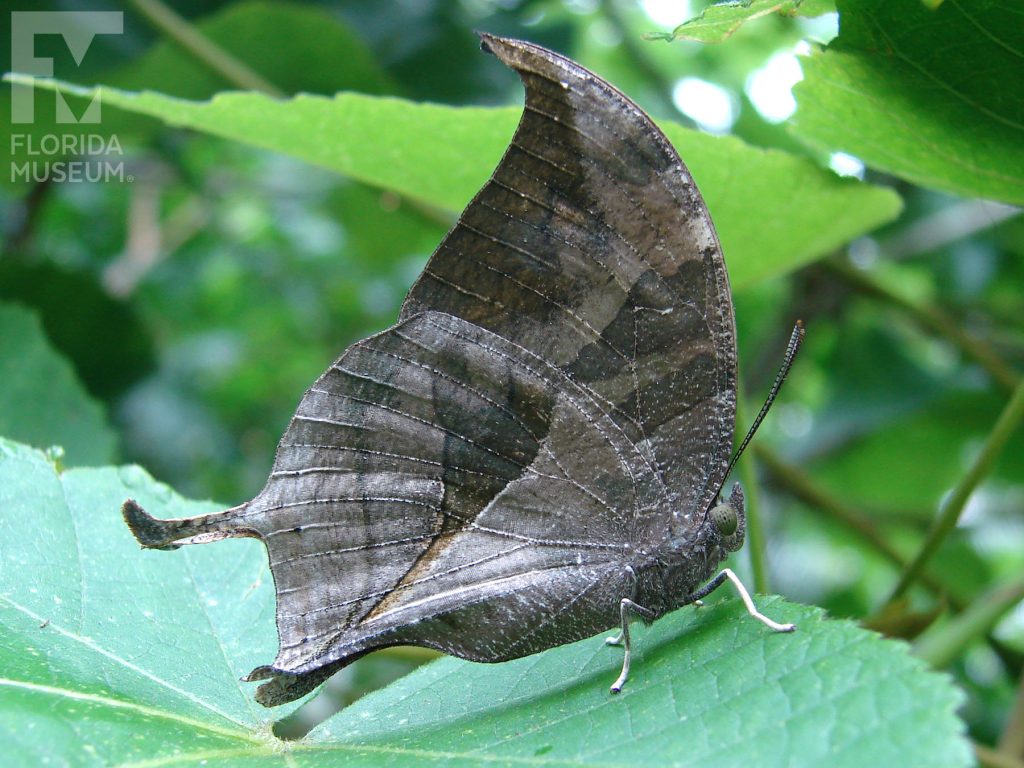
[[689, 558], [728, 520]]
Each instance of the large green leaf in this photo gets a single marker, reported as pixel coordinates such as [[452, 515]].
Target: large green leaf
[[933, 96], [774, 211], [42, 401], [112, 655], [109, 655], [330, 58]]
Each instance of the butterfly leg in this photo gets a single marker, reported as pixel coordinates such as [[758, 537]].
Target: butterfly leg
[[626, 607], [617, 640], [720, 579]]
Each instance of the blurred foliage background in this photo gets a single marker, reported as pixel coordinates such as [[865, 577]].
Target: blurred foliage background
[[196, 303]]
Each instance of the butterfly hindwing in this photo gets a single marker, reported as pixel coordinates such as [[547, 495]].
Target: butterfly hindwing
[[438, 471]]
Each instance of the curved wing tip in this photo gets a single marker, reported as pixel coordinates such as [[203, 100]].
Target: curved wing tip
[[489, 42], [504, 48], [147, 530]]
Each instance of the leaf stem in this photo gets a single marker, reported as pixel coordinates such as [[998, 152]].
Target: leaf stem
[[410, 653], [643, 64], [953, 505], [932, 318], [946, 225], [112, 703], [202, 48], [206, 756], [755, 531], [757, 549], [1012, 740], [990, 758], [939, 647]]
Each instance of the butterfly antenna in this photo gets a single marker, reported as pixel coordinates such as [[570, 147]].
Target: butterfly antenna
[[796, 338]]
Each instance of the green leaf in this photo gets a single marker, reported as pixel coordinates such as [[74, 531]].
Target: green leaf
[[110, 655], [933, 96], [101, 335], [718, 22], [42, 401], [330, 58], [710, 687], [775, 212], [442, 155], [114, 655]]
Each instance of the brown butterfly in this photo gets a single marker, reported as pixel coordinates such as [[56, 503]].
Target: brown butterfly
[[536, 450]]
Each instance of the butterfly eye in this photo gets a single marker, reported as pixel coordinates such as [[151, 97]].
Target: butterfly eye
[[724, 518]]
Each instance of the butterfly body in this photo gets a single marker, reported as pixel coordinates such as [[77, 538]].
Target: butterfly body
[[538, 445]]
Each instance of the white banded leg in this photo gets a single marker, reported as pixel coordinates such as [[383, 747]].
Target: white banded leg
[[720, 579], [626, 606]]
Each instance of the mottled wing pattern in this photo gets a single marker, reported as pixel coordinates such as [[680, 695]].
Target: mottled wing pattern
[[433, 468], [559, 391], [591, 247]]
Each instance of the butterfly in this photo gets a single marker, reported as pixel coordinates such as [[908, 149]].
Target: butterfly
[[535, 452]]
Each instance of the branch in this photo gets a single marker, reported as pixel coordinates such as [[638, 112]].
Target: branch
[[202, 48], [940, 646], [1012, 740], [642, 63], [944, 226], [804, 488], [756, 546], [990, 758], [932, 318], [953, 505]]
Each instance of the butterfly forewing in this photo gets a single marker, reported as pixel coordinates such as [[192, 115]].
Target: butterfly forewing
[[591, 247]]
